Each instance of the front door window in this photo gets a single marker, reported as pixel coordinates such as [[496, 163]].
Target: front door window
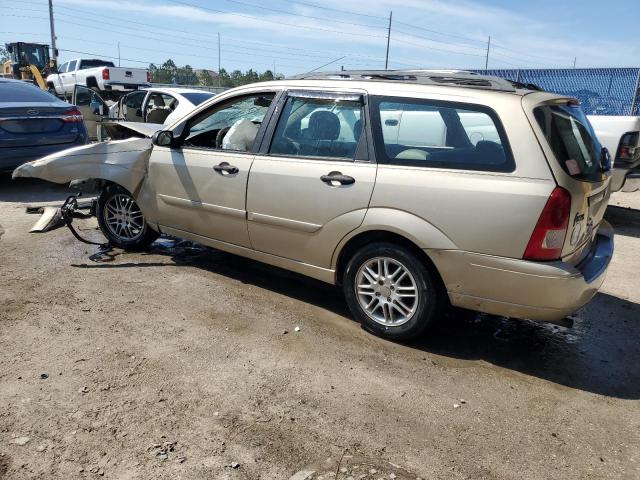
[[232, 126]]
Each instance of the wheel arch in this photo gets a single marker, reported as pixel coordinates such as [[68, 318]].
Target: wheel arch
[[92, 82], [358, 240]]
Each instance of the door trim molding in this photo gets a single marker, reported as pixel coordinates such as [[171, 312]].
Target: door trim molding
[[186, 203], [283, 222]]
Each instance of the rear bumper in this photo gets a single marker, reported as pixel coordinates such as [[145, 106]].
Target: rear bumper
[[123, 86], [625, 177], [10, 158], [547, 291]]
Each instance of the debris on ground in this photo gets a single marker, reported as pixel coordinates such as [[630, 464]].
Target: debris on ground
[[162, 450], [297, 329], [21, 440]]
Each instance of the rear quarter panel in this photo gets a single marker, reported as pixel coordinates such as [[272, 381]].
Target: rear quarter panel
[[492, 213]]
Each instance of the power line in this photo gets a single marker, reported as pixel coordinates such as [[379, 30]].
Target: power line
[[279, 23]]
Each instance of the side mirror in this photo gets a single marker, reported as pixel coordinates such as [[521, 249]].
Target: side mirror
[[163, 138]]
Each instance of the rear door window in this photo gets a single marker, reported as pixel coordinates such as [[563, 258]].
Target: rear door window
[[572, 139], [318, 127], [428, 133], [72, 66]]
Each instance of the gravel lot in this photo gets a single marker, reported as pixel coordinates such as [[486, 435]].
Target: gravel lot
[[174, 364]]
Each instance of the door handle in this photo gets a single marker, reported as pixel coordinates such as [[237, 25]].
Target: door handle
[[224, 168], [337, 177]]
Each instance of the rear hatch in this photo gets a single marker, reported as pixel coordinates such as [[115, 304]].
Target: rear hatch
[[580, 165], [36, 124]]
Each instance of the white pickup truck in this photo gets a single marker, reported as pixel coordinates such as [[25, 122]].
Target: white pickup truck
[[99, 75]]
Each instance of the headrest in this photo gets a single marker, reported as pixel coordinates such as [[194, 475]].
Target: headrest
[[357, 130], [324, 125]]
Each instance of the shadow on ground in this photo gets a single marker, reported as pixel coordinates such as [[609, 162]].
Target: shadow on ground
[[599, 354]]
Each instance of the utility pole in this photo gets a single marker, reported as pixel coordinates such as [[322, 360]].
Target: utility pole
[[386, 60], [486, 61], [274, 69], [574, 62], [219, 79], [118, 54], [54, 50]]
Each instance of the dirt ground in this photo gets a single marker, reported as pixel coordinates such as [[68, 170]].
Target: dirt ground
[[174, 364]]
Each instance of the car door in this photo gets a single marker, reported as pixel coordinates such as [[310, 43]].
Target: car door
[[200, 184], [69, 78], [132, 106], [92, 106], [58, 79], [313, 179]]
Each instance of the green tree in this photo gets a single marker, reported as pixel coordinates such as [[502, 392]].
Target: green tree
[[206, 78]]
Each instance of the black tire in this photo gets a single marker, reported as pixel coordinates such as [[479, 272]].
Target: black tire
[[428, 304], [140, 239]]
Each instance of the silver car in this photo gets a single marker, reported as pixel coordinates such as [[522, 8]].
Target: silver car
[[413, 190]]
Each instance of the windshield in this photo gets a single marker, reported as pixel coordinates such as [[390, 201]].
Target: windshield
[[84, 64], [198, 98], [572, 140]]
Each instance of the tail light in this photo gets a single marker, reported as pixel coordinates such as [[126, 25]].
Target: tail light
[[148, 76], [73, 115], [548, 237], [105, 74], [628, 146]]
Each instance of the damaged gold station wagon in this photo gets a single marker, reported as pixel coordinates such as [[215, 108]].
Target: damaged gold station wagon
[[413, 190]]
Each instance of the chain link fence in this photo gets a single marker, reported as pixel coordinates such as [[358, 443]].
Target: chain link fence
[[602, 91]]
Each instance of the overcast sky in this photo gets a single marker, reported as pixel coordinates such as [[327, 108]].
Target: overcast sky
[[301, 36]]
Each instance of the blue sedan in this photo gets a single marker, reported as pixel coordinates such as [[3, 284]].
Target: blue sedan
[[34, 123]]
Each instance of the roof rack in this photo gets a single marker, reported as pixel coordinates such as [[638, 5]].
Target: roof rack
[[456, 78]]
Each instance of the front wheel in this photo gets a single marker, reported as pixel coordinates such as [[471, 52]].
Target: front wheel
[[121, 220], [391, 291]]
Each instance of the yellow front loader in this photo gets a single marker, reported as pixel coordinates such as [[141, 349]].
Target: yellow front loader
[[29, 62]]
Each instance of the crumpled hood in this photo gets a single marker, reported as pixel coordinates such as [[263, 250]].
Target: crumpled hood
[[122, 161]]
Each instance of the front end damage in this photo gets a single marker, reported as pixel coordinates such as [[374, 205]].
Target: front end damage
[[123, 162], [88, 169]]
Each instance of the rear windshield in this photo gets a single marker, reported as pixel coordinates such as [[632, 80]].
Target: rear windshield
[[11, 92], [84, 64], [198, 98], [572, 140]]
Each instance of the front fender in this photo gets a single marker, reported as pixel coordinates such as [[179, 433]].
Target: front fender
[[124, 162]]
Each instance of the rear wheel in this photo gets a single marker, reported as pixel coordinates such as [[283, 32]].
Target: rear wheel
[[391, 291], [121, 220]]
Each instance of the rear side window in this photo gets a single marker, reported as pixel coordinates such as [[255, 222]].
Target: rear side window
[[428, 133], [72, 66], [572, 140], [85, 64], [318, 127]]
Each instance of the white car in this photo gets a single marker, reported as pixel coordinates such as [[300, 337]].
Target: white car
[[158, 105], [99, 75]]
